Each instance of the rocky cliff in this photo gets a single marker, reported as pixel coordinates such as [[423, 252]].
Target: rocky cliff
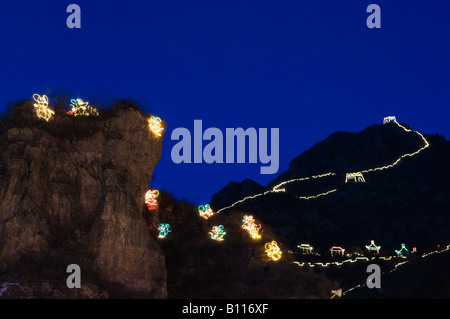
[[72, 192]]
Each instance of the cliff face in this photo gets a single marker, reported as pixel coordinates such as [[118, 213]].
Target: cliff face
[[72, 192]]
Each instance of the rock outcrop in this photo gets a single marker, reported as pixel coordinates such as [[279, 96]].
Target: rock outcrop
[[72, 192]]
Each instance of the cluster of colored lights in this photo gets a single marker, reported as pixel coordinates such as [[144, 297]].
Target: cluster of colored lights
[[251, 227], [336, 250], [373, 248], [402, 251], [150, 199], [42, 109], [164, 229], [82, 108], [154, 124], [205, 211], [306, 248], [273, 251], [217, 233]]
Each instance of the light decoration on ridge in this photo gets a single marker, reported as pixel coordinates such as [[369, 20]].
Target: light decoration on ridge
[[272, 250], [402, 251], [150, 199], [278, 188], [42, 109], [357, 177], [251, 227], [154, 125], [336, 250], [205, 211], [217, 233], [373, 248], [306, 248], [164, 229], [389, 119], [82, 108]]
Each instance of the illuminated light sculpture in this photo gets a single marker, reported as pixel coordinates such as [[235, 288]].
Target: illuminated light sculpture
[[217, 233], [402, 251], [251, 227], [356, 177], [336, 293], [164, 229], [154, 124], [150, 199], [373, 248], [42, 109], [81, 108], [272, 250], [414, 250], [335, 250], [306, 248], [389, 119], [205, 211]]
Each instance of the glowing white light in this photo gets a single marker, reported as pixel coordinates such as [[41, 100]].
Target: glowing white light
[[373, 247], [356, 177], [389, 119]]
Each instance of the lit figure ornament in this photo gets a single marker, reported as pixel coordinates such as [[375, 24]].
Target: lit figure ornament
[[79, 107], [373, 248], [150, 199], [205, 211], [154, 124], [42, 109], [251, 227], [402, 251], [272, 250], [217, 233], [164, 229]]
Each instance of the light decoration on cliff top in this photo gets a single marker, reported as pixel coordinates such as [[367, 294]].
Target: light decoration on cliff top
[[154, 124], [402, 251], [373, 248], [150, 199], [389, 119], [305, 248], [205, 211], [217, 233], [164, 229], [42, 109], [272, 250], [357, 177], [82, 108], [251, 227], [336, 250]]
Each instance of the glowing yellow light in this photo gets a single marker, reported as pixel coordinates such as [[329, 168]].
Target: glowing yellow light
[[251, 227], [356, 177], [42, 109], [217, 233], [205, 211], [154, 124], [272, 250], [150, 199], [81, 108]]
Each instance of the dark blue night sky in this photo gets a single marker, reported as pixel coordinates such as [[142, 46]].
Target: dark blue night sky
[[309, 67]]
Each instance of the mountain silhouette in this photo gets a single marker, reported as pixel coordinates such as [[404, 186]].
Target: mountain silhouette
[[405, 197]]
